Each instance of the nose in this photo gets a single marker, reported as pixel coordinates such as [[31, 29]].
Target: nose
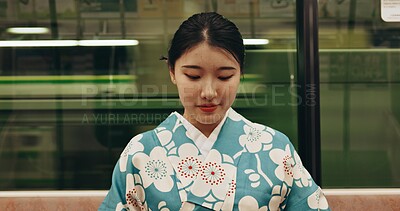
[[208, 91]]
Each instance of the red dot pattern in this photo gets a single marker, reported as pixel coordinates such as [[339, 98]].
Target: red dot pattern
[[288, 165], [189, 167], [212, 173], [232, 188], [132, 199]]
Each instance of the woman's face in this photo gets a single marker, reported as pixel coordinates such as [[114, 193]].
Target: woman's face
[[207, 78]]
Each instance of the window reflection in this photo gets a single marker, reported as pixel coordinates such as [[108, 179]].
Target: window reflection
[[67, 111], [359, 57]]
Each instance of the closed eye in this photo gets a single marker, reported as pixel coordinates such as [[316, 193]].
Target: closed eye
[[225, 78], [193, 77]]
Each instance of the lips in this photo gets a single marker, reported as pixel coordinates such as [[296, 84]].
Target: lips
[[208, 107]]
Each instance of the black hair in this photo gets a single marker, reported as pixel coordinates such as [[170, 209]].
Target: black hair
[[209, 27]]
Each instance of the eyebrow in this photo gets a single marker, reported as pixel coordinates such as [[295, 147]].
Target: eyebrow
[[200, 68]]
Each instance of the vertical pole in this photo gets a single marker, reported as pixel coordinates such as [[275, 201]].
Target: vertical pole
[[79, 30], [347, 86], [308, 78], [122, 18], [59, 113]]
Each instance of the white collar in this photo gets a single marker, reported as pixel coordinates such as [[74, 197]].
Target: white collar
[[202, 142]]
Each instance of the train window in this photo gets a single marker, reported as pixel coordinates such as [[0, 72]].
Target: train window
[[360, 107], [72, 96], [78, 79]]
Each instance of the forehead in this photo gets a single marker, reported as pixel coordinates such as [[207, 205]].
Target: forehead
[[204, 52]]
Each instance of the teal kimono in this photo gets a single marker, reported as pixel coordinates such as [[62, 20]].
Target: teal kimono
[[247, 166]]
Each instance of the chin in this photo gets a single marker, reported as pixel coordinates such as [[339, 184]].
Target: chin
[[209, 119]]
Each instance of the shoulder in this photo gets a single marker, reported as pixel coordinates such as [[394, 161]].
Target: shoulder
[[281, 140], [139, 142], [268, 136], [147, 140], [278, 138], [141, 137]]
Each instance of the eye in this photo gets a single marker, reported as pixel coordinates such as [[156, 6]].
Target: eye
[[193, 77], [225, 78]]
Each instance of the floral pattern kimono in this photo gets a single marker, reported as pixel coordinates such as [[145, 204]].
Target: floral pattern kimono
[[240, 166]]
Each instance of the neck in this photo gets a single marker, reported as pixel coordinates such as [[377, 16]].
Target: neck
[[206, 129]]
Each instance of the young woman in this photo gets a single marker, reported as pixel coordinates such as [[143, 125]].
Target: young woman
[[210, 157]]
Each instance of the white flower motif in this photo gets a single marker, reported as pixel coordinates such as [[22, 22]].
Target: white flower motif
[[163, 135], [189, 167], [162, 206], [254, 177], [155, 169], [255, 138], [290, 167], [187, 206], [301, 175], [187, 163], [131, 148], [213, 173], [250, 203], [317, 200], [213, 177], [230, 196], [232, 188], [135, 195], [279, 194]]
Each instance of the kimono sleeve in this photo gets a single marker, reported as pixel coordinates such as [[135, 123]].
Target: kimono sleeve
[[115, 199], [305, 194], [122, 194]]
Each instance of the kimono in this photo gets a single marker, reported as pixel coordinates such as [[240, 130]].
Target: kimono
[[241, 166]]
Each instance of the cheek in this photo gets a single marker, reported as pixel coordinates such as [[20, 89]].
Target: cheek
[[187, 93], [229, 92]]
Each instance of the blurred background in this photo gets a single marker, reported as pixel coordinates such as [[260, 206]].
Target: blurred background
[[79, 78]]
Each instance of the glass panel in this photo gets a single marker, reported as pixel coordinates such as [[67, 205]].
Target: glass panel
[[360, 107], [67, 111]]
